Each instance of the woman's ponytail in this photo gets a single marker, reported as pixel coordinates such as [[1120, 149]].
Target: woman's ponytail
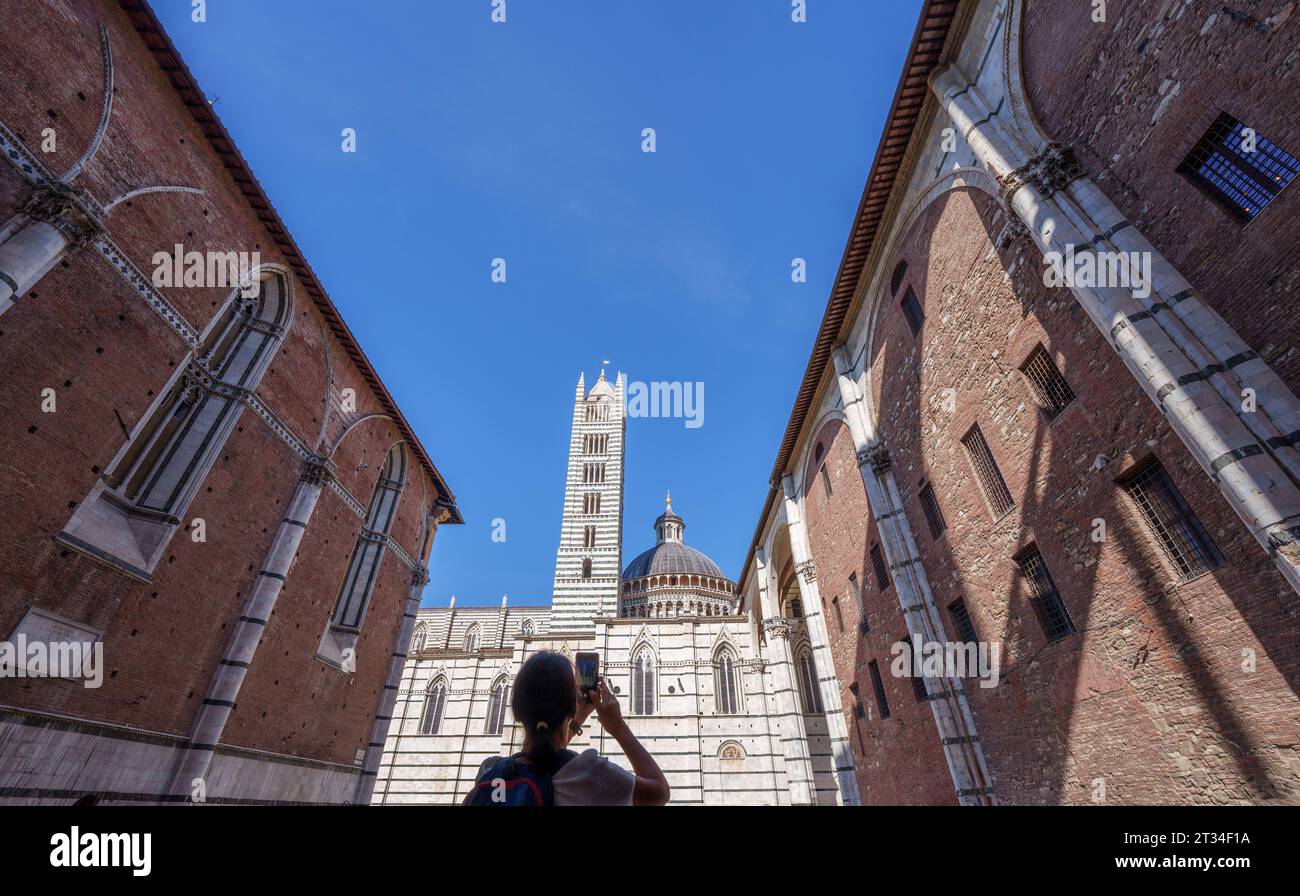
[[545, 695]]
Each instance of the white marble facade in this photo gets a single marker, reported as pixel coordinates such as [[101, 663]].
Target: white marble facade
[[710, 711]]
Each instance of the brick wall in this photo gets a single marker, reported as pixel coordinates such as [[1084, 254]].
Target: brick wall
[[85, 333]]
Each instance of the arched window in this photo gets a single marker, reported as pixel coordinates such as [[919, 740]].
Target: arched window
[[527, 629], [130, 515], [726, 685], [471, 638], [586, 567], [795, 608], [363, 569], [497, 707], [643, 683], [896, 280], [809, 692], [421, 635], [435, 701]]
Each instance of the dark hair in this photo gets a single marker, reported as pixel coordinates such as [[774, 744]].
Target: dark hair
[[546, 694]]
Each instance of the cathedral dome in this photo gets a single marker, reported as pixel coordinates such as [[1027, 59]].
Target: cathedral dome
[[670, 555], [672, 558]]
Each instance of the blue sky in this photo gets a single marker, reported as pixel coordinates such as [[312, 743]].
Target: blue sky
[[522, 140]]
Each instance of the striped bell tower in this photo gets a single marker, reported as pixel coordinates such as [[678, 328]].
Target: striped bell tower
[[589, 560]]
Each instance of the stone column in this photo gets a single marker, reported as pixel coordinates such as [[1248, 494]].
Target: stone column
[[53, 222], [1183, 354], [388, 695], [196, 756], [794, 738], [827, 682], [947, 697]]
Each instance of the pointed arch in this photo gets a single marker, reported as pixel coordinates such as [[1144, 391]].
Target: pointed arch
[[726, 680], [420, 638], [497, 706], [131, 514], [810, 694], [528, 629], [644, 666], [435, 704], [367, 555]]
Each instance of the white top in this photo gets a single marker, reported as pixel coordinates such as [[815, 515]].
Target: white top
[[592, 780], [589, 779]]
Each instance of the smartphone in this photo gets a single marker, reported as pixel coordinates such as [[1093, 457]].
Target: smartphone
[[588, 672]]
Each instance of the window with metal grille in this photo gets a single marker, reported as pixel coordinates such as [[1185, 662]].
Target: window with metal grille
[[933, 515], [912, 311], [863, 625], [809, 690], [986, 468], [1045, 598], [1180, 534], [1243, 170], [878, 563], [1050, 388], [878, 685], [434, 703], [497, 708], [962, 622]]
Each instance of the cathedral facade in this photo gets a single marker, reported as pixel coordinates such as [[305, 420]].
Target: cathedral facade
[[737, 711]]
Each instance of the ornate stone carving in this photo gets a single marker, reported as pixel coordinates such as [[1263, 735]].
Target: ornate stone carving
[[877, 456], [777, 627], [316, 472], [64, 208], [1047, 174], [808, 569], [420, 576]]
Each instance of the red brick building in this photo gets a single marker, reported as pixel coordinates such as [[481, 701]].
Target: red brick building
[[205, 477], [1098, 478]]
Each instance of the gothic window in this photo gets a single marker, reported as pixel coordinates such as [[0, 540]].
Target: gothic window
[[933, 515], [856, 589], [839, 616], [1181, 536], [1050, 388], [1240, 169], [435, 701], [528, 629], [1046, 600], [130, 516], [586, 567], [472, 638], [878, 685], [725, 682], [589, 536], [363, 568], [912, 311], [809, 691], [900, 271], [591, 503], [643, 683], [497, 707], [421, 635], [986, 469]]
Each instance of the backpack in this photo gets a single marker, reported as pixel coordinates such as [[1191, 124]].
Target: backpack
[[509, 782]]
